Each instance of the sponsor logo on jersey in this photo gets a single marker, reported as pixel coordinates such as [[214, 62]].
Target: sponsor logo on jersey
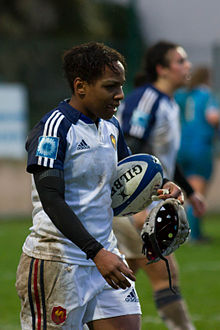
[[132, 297], [83, 145], [113, 140], [58, 314], [47, 147]]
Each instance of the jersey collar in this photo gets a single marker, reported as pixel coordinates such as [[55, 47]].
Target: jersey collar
[[72, 114], [160, 92]]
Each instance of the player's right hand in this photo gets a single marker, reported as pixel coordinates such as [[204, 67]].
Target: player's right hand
[[174, 191], [113, 269]]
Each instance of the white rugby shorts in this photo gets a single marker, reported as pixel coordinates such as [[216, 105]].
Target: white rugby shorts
[[56, 295]]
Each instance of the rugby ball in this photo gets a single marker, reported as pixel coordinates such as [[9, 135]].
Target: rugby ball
[[138, 178]]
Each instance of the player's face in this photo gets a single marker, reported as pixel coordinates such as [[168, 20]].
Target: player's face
[[178, 71], [103, 97]]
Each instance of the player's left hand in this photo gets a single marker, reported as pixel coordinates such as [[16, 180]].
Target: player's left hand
[[171, 190]]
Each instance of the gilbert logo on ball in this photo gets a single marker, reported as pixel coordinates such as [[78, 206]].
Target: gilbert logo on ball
[[138, 178]]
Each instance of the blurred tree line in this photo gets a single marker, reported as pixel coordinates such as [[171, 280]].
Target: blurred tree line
[[35, 33]]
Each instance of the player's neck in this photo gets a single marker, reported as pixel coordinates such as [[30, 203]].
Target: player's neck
[[165, 87]]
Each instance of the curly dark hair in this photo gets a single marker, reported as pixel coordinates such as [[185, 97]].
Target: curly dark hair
[[88, 61], [156, 54]]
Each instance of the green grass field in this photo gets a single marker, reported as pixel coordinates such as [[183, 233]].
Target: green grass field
[[199, 270]]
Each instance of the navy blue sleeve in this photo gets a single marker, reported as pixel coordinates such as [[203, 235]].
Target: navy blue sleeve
[[137, 121], [122, 148], [46, 143], [51, 189], [128, 107], [181, 180]]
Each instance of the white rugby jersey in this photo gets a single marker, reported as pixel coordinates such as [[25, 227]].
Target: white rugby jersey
[[151, 115], [65, 139]]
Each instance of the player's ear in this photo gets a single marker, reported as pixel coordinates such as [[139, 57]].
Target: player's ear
[[80, 86], [161, 71]]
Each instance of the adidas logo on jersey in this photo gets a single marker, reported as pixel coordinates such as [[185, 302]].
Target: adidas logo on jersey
[[82, 145], [132, 297]]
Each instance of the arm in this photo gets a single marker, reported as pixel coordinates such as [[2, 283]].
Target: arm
[[50, 186], [181, 180], [136, 145], [195, 199]]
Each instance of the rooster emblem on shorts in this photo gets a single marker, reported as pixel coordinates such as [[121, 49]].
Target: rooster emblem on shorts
[[58, 314]]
